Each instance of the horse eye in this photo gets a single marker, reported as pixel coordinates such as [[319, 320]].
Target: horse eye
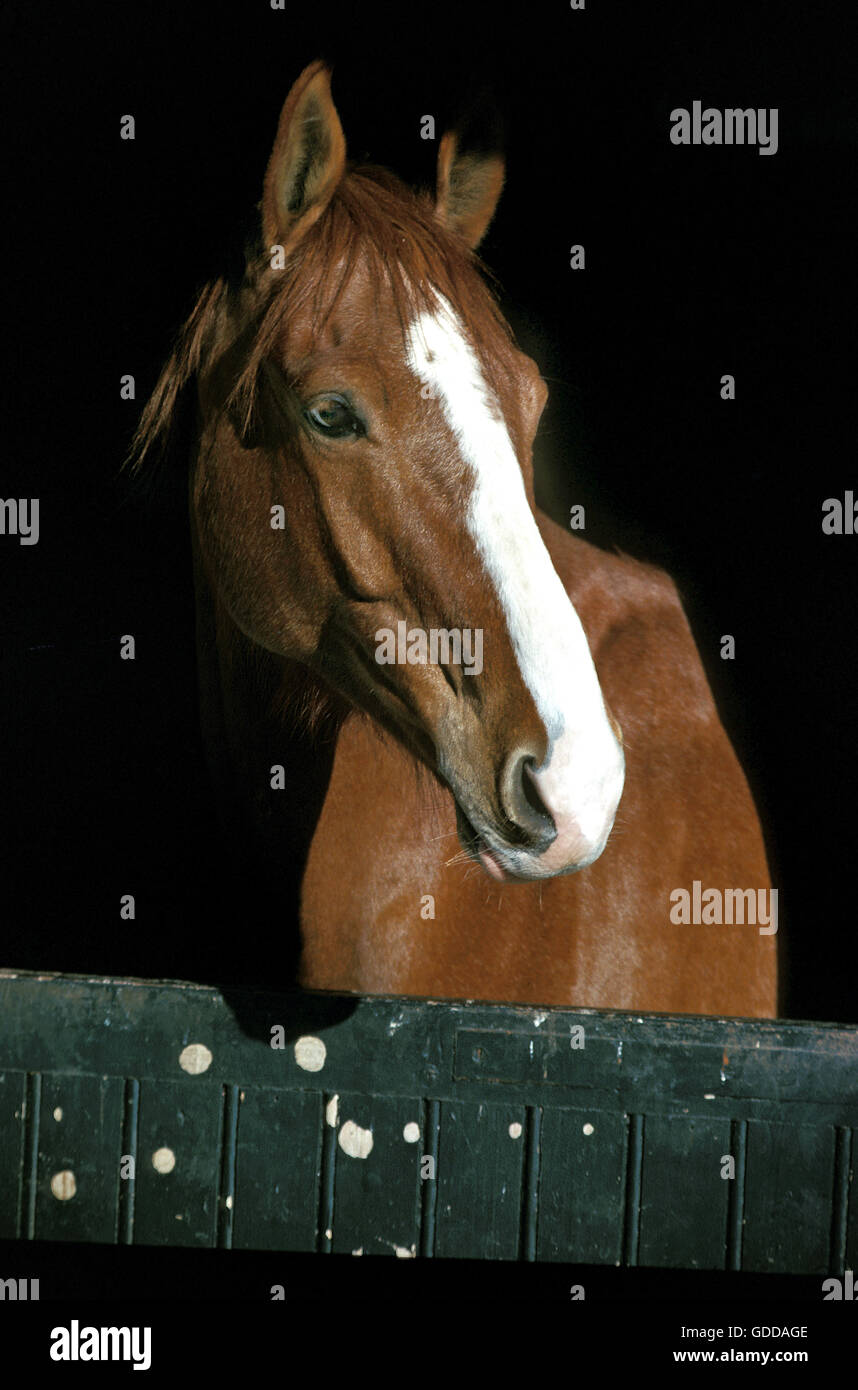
[[332, 417]]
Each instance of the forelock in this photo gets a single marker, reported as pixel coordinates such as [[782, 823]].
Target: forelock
[[376, 224]]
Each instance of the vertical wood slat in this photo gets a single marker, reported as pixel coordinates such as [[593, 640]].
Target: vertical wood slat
[[429, 1185], [634, 1164], [30, 1170], [278, 1159], [684, 1198], [479, 1173], [530, 1190], [128, 1147], [13, 1155], [79, 1150], [581, 1186], [840, 1200], [327, 1178], [377, 1195], [736, 1207], [178, 1205], [226, 1188], [13, 1094], [852, 1209], [788, 1193]]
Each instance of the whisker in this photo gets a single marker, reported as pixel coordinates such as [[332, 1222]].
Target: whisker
[[461, 858]]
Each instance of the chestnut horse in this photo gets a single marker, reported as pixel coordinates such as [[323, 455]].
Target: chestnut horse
[[477, 691]]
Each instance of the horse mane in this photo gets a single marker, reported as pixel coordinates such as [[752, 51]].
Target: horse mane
[[157, 428], [373, 219]]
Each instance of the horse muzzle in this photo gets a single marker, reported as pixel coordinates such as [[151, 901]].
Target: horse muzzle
[[551, 820]]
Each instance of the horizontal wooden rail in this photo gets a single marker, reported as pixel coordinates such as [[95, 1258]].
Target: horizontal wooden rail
[[167, 1113]]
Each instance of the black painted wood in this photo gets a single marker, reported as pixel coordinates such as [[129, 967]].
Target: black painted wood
[[685, 1191], [789, 1193], [582, 1187], [480, 1174], [78, 1173], [180, 1124], [413, 1127], [12, 1155], [276, 1199]]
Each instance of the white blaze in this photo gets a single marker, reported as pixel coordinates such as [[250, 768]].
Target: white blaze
[[582, 778]]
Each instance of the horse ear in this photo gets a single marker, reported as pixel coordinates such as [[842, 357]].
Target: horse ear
[[467, 190], [307, 161]]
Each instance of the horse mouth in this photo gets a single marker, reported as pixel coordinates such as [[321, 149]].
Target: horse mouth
[[478, 848], [496, 862]]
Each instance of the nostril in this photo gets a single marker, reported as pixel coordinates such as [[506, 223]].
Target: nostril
[[530, 790], [530, 822]]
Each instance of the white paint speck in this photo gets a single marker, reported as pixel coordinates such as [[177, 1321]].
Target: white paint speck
[[411, 1132], [359, 1251], [58, 1114], [403, 1253], [310, 1053], [332, 1111], [539, 1019], [515, 1130], [709, 1095], [163, 1160], [195, 1059], [354, 1141], [329, 1235], [63, 1185], [588, 1129]]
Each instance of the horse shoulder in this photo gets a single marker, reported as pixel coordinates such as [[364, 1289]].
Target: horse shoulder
[[654, 682], [686, 813], [638, 633]]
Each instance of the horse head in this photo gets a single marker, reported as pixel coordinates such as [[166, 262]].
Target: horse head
[[363, 492]]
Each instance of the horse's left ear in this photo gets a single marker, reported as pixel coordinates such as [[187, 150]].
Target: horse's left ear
[[467, 190], [307, 161]]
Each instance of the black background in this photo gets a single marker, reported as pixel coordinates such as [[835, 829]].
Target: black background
[[700, 261]]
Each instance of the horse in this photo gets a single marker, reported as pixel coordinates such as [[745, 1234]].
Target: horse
[[496, 739]]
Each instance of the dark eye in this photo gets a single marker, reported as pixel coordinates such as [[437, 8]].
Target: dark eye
[[330, 415]]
